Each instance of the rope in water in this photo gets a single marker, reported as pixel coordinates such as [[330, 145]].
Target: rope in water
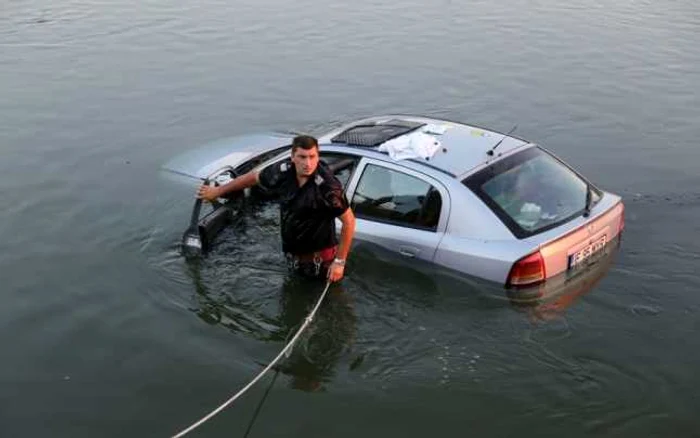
[[252, 382]]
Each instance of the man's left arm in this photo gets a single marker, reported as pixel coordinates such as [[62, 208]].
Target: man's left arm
[[347, 232]]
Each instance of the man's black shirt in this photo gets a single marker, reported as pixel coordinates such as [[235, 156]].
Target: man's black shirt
[[307, 213]]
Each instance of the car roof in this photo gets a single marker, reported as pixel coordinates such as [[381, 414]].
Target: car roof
[[463, 146]]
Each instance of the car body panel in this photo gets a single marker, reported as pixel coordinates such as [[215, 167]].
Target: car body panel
[[493, 259], [469, 237], [488, 259]]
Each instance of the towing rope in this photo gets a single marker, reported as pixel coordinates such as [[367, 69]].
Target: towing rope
[[252, 382]]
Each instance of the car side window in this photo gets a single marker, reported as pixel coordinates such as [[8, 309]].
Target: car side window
[[342, 165], [390, 196]]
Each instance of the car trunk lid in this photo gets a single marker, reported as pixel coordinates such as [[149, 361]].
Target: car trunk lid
[[586, 240]]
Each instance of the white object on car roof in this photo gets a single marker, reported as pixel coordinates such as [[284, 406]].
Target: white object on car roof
[[414, 145], [433, 128]]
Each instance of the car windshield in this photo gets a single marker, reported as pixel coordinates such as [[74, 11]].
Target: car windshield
[[531, 191]]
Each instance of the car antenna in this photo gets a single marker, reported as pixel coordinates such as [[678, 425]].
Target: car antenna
[[490, 151]]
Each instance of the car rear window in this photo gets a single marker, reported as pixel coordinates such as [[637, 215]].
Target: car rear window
[[531, 191]]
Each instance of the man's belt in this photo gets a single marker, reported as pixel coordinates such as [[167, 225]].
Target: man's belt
[[324, 255]]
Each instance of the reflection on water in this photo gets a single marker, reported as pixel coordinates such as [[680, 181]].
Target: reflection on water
[[326, 339], [312, 359], [224, 309], [551, 300], [95, 96]]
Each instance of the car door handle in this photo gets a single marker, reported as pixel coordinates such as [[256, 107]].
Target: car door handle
[[408, 251]]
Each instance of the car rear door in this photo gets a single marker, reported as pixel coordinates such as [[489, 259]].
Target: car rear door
[[398, 209]]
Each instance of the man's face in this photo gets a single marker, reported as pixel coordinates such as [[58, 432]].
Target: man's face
[[305, 161]]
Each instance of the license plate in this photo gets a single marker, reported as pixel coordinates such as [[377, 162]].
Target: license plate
[[585, 253]]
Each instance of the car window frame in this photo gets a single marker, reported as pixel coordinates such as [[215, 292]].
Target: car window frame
[[357, 159], [351, 189], [285, 152]]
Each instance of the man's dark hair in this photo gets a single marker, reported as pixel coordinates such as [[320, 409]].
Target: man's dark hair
[[305, 142]]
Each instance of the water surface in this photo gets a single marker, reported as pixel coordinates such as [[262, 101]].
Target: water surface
[[108, 332]]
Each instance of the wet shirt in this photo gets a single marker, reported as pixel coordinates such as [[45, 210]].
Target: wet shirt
[[308, 212]]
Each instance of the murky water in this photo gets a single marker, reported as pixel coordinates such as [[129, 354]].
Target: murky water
[[108, 332]]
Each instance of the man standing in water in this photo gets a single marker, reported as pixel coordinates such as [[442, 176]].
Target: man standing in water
[[311, 197]]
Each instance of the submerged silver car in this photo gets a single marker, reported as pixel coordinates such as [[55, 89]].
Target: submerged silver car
[[463, 198]]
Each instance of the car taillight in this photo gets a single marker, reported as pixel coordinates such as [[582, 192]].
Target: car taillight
[[528, 270]]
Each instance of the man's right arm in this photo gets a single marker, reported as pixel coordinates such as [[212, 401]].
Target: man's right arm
[[244, 181]]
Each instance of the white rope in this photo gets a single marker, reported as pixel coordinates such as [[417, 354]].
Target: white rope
[[252, 382]]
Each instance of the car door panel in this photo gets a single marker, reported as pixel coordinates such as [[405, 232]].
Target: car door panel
[[383, 231]]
